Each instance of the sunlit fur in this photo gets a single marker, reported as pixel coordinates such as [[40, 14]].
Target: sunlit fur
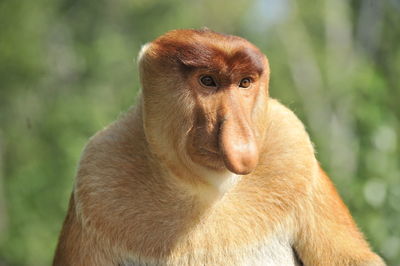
[[167, 183]]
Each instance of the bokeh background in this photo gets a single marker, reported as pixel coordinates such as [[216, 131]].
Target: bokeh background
[[67, 69]]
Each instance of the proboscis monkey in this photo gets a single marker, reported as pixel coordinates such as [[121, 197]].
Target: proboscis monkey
[[207, 169]]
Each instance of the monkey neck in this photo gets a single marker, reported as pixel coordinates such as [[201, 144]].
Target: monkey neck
[[206, 185]]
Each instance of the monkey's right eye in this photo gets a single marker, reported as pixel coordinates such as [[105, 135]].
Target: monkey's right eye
[[207, 81]]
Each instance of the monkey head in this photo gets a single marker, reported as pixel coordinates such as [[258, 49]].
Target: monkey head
[[204, 99]]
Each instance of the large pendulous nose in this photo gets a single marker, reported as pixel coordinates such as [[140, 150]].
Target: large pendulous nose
[[236, 139]]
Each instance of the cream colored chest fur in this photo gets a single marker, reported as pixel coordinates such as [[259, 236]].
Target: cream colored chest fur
[[276, 252]]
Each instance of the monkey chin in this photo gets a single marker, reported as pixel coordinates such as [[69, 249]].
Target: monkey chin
[[213, 171], [210, 166]]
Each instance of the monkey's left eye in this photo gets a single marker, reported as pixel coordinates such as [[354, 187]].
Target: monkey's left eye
[[208, 81], [245, 83]]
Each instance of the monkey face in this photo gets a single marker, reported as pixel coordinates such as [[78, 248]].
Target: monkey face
[[223, 133], [221, 84]]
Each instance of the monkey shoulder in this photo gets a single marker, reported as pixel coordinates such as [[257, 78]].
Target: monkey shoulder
[[286, 144], [113, 162], [118, 147], [281, 119]]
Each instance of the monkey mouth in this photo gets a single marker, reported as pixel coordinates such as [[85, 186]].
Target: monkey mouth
[[208, 157], [211, 156], [209, 151]]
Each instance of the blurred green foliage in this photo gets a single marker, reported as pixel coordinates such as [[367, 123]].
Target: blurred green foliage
[[67, 70]]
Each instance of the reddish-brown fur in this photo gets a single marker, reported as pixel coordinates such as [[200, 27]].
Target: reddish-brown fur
[[154, 187]]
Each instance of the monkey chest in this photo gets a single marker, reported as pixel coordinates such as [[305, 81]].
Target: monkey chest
[[275, 252]]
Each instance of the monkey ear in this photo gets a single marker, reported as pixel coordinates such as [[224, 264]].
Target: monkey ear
[[142, 52], [266, 65]]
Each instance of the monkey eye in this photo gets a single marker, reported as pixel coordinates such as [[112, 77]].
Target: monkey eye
[[245, 83], [208, 81]]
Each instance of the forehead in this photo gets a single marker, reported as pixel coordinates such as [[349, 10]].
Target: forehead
[[209, 50]]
